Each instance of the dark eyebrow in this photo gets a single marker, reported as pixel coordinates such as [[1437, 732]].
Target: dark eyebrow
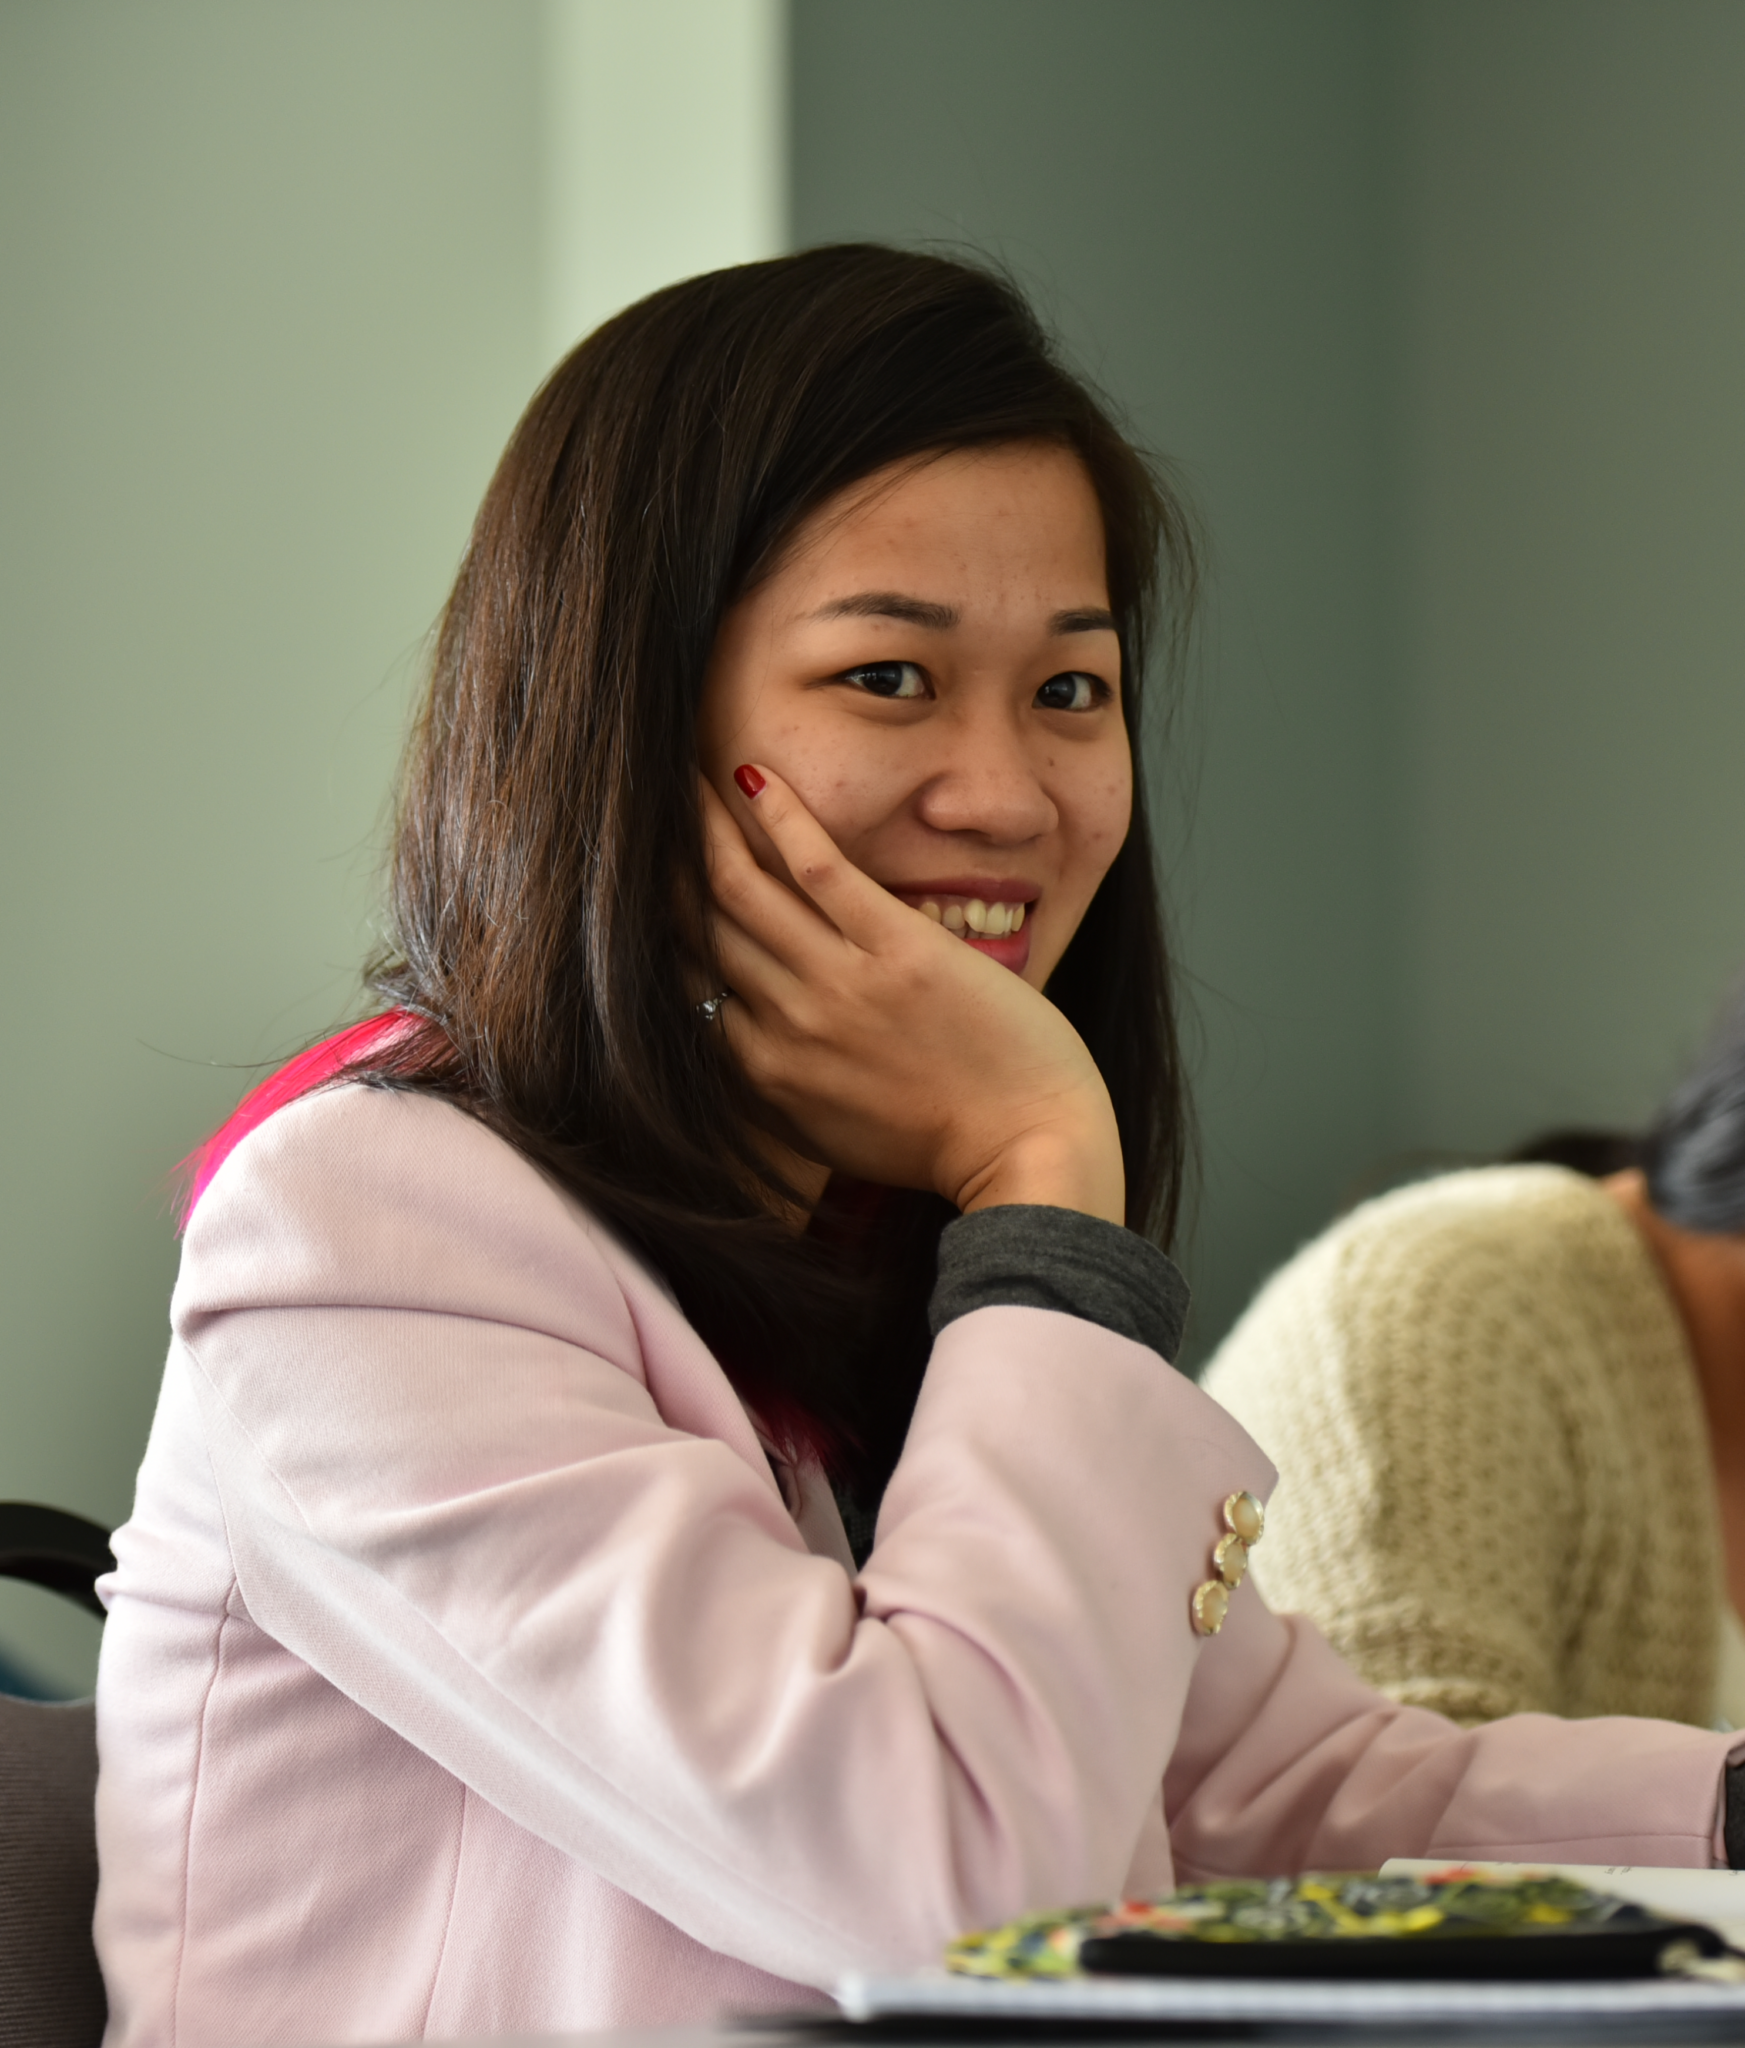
[[940, 618], [891, 604]]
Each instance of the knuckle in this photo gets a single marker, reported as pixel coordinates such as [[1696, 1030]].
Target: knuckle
[[733, 884], [911, 979], [805, 1019]]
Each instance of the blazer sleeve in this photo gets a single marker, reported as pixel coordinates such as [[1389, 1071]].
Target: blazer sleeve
[[1288, 1761], [476, 1471]]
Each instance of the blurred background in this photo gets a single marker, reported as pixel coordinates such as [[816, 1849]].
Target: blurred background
[[1439, 305]]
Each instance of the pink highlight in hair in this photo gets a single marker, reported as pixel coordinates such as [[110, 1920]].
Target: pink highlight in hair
[[298, 1077]]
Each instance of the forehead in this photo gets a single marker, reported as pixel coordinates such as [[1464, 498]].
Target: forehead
[[1022, 514]]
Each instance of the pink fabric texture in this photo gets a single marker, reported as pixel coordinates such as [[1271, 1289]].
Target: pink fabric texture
[[466, 1672], [311, 1069]]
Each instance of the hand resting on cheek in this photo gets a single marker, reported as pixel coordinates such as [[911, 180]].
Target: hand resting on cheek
[[900, 1054]]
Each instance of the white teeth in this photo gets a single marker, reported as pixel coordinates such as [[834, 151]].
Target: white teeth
[[985, 920]]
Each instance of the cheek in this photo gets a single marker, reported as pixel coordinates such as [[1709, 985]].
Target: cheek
[[1096, 810], [1102, 812], [844, 780]]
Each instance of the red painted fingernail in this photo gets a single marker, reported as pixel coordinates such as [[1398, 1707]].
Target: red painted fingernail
[[748, 779]]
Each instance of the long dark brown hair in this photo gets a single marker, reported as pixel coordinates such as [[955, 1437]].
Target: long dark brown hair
[[548, 825]]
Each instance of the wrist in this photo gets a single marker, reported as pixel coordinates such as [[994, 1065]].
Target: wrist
[[1056, 1167]]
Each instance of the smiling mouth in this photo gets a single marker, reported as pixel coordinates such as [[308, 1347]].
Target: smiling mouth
[[969, 916]]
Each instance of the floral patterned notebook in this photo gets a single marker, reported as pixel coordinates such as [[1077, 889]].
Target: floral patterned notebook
[[1442, 1924]]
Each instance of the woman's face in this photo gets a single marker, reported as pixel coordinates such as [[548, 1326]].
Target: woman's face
[[934, 669]]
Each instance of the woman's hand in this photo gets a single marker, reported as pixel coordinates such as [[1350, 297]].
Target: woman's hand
[[899, 1053]]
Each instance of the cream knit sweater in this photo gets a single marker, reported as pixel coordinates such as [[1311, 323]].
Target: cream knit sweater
[[1497, 1492]]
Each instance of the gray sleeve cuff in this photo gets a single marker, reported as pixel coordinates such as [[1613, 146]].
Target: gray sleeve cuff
[[1022, 1255]]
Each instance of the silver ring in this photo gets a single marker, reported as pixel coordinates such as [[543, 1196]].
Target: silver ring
[[710, 1007]]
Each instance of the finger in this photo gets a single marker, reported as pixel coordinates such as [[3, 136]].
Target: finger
[[852, 901], [763, 1066], [780, 916], [758, 977], [754, 1021]]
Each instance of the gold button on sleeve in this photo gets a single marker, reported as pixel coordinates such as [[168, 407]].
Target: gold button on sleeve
[[1210, 1605], [1245, 1517], [1230, 1560]]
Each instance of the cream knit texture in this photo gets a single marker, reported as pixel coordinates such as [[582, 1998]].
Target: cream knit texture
[[1497, 1494]]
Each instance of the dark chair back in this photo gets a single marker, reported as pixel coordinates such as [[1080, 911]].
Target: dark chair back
[[51, 1992], [63, 1552]]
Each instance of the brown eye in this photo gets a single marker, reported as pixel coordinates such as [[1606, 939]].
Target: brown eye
[[1074, 691], [896, 679]]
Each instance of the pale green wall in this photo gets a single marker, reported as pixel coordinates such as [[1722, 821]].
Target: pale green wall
[[1574, 344], [269, 313], [1197, 189], [664, 131]]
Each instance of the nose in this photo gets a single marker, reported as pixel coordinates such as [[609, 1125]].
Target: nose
[[987, 783]]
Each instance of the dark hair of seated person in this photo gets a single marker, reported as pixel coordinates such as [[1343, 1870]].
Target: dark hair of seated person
[[1692, 1155], [549, 857]]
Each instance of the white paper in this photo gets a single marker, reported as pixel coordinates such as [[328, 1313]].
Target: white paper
[[1374, 2001]]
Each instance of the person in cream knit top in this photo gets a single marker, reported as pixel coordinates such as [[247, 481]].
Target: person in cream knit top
[[1508, 1405]]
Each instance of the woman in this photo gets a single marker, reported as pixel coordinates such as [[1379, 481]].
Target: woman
[[1512, 1406], [488, 1649]]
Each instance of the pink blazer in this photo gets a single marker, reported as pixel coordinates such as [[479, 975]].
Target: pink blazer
[[466, 1671]]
